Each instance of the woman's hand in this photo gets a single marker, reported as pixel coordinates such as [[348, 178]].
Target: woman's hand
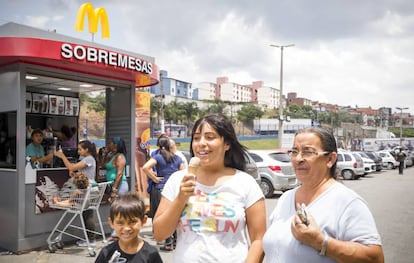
[[307, 234], [187, 186]]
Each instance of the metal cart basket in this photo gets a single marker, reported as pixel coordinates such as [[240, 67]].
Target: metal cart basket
[[74, 205]]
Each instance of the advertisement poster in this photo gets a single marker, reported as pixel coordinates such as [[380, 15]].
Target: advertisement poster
[[142, 136], [48, 185], [57, 105], [39, 103], [71, 106]]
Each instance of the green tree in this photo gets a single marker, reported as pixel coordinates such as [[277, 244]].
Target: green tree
[[95, 103], [248, 113], [217, 106], [191, 111], [173, 112], [155, 110]]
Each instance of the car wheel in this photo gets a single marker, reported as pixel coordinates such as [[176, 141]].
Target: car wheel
[[390, 166], [348, 174], [267, 188]]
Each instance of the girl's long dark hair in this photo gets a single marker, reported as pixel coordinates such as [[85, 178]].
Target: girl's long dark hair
[[236, 157], [91, 147], [164, 144]]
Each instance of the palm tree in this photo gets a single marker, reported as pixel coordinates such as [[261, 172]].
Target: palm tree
[[190, 111]]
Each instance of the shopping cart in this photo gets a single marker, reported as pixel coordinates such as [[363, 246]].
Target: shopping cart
[[74, 205]]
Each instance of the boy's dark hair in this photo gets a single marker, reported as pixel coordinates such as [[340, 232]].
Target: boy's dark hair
[[129, 206], [81, 180], [36, 131]]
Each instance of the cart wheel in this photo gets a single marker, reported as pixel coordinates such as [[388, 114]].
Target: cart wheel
[[92, 252], [59, 245], [52, 248]]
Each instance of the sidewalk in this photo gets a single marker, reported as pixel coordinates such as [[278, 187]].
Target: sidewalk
[[72, 253]]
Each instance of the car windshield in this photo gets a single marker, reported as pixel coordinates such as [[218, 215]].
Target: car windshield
[[357, 157], [363, 155], [280, 156]]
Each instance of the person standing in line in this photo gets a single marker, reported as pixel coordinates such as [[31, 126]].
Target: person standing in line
[[127, 217], [218, 212], [321, 220], [166, 163], [87, 165], [150, 182], [35, 149], [400, 157], [173, 148], [116, 166]]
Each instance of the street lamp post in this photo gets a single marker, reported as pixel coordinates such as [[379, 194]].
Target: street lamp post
[[401, 121], [281, 118], [162, 105]]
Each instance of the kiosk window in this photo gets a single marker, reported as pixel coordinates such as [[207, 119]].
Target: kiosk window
[[8, 126]]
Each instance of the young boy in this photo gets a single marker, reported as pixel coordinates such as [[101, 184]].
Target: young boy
[[127, 216], [81, 181]]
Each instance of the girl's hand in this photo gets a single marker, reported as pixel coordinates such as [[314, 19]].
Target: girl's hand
[[158, 180], [188, 184], [60, 154]]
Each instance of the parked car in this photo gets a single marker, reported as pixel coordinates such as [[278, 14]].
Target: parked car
[[388, 159], [349, 165], [408, 162], [275, 175], [369, 164], [377, 159], [411, 155], [251, 167]]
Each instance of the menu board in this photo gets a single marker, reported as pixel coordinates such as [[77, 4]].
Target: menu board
[[28, 102], [71, 106], [39, 103], [52, 104], [57, 104]]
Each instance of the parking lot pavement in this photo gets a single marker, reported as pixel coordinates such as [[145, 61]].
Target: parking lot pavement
[[71, 253]]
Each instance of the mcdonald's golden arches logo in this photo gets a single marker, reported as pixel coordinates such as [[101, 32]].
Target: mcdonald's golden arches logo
[[93, 18]]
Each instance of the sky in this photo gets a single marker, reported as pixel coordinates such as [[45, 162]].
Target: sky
[[357, 53]]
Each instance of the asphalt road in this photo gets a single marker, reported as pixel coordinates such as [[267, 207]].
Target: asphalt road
[[390, 197]]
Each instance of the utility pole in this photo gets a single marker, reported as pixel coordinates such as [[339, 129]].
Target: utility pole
[[281, 117], [162, 106], [401, 121]]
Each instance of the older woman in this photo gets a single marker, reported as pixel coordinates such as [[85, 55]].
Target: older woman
[[339, 225]]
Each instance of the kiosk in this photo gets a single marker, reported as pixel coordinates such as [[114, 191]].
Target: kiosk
[[40, 77]]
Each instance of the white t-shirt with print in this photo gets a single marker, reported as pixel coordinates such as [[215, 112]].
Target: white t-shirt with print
[[338, 211], [212, 227]]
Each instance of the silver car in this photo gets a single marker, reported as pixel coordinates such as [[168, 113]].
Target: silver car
[[275, 175], [349, 165]]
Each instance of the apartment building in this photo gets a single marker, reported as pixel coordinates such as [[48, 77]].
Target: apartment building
[[172, 87]]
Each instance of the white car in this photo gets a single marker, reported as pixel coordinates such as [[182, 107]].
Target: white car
[[369, 164], [349, 165], [275, 175], [388, 159]]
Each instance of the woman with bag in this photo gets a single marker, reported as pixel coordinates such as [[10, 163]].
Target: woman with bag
[[115, 167]]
